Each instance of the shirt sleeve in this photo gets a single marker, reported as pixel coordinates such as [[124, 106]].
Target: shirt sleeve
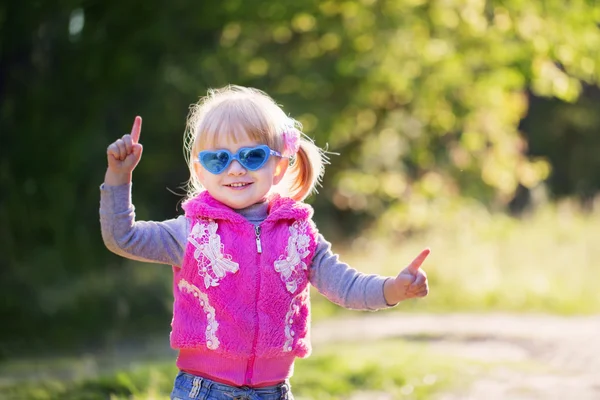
[[149, 241], [344, 285]]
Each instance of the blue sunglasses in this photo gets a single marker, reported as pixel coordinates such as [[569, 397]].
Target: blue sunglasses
[[251, 158]]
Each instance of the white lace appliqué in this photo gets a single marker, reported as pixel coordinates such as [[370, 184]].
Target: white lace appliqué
[[291, 265], [289, 321], [212, 342], [212, 263]]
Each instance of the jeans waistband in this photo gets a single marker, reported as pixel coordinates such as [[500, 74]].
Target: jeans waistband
[[198, 382]]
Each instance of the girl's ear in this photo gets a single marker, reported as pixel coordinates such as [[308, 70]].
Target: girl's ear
[[280, 169]]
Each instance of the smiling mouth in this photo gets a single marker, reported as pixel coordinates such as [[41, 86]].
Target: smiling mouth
[[239, 185]]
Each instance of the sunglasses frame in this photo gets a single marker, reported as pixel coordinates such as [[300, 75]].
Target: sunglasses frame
[[268, 153]]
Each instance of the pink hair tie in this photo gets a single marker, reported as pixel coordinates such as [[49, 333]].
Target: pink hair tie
[[291, 140]]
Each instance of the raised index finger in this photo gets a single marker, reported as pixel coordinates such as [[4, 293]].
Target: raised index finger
[[136, 129], [416, 263]]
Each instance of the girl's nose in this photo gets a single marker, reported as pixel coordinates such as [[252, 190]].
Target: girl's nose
[[236, 169]]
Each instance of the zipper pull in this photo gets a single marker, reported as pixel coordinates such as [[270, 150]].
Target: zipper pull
[[258, 244]]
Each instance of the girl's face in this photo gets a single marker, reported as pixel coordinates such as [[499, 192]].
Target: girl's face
[[238, 187]]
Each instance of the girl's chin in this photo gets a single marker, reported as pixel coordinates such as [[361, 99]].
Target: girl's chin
[[238, 199], [239, 203]]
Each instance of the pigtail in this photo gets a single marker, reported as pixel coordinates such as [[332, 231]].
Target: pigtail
[[306, 169]]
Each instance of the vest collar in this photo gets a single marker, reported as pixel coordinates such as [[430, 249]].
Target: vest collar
[[278, 208]]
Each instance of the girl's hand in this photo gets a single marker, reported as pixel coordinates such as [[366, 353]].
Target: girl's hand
[[123, 156], [410, 282]]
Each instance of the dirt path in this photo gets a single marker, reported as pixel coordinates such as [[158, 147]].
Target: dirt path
[[563, 352]]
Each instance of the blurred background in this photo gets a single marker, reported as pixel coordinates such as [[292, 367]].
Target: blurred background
[[467, 126]]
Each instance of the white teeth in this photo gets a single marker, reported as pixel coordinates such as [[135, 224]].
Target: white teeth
[[238, 184]]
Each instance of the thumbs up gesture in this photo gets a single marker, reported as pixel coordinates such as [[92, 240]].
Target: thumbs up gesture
[[410, 282], [123, 156]]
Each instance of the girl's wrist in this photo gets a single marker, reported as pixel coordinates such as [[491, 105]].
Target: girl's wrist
[[390, 294], [116, 179]]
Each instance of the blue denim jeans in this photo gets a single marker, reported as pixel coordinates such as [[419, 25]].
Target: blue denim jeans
[[188, 386]]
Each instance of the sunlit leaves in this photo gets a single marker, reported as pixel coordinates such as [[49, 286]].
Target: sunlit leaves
[[426, 94], [550, 80], [458, 70], [303, 22]]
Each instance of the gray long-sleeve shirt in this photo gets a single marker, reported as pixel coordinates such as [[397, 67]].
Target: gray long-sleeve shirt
[[165, 242]]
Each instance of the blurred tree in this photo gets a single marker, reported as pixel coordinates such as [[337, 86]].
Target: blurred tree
[[566, 134], [422, 98], [425, 96]]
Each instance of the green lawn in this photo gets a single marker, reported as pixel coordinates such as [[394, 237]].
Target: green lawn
[[547, 262], [405, 369]]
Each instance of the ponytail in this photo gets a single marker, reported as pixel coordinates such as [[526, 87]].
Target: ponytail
[[306, 169]]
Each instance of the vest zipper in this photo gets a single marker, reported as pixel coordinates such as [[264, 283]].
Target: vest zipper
[[258, 244], [250, 366]]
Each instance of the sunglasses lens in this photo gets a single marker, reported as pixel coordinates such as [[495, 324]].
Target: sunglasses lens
[[253, 159], [215, 161]]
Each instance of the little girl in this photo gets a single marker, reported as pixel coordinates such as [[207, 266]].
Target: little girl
[[246, 249]]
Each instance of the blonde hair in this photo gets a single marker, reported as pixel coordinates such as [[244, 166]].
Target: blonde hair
[[250, 113]]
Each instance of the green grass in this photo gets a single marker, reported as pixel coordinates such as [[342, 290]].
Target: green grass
[[403, 369], [546, 262], [154, 379]]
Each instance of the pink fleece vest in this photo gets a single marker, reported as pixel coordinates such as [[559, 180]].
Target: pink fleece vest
[[241, 312]]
